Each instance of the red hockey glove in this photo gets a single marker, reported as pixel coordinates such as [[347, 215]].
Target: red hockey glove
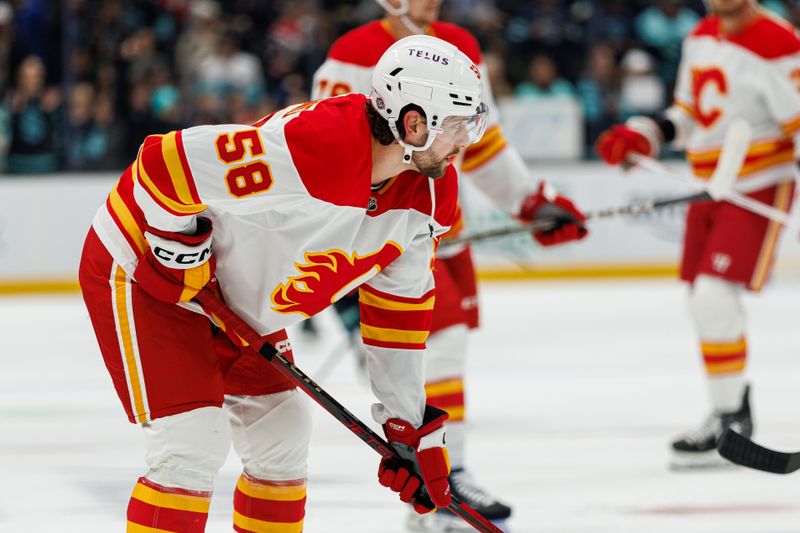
[[423, 458], [547, 203], [176, 266], [638, 135]]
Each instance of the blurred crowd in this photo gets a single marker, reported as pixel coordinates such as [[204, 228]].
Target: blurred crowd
[[82, 82]]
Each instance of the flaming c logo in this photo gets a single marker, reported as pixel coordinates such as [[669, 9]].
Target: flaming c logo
[[326, 276]]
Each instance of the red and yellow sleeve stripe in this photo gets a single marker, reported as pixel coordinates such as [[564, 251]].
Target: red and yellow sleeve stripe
[[482, 151], [163, 171], [126, 214], [390, 321], [760, 156]]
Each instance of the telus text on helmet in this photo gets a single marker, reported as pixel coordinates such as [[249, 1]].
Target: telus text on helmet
[[435, 58]]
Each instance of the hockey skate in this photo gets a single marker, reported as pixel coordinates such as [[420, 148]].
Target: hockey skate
[[698, 448], [444, 521]]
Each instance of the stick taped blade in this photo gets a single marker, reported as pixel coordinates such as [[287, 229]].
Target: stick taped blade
[[743, 451], [734, 151]]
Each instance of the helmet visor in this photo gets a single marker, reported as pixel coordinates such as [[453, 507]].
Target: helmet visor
[[463, 130]]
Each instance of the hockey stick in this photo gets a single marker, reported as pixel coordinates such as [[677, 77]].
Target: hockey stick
[[236, 327], [742, 451], [734, 149], [740, 131]]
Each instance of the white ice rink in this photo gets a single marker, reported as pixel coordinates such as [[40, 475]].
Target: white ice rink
[[574, 390]]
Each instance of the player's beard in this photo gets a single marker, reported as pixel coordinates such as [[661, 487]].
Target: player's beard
[[431, 165]]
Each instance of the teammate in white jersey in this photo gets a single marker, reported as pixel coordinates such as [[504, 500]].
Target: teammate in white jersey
[[302, 206], [499, 172], [739, 63]]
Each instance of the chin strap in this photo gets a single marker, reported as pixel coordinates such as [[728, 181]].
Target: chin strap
[[413, 28]]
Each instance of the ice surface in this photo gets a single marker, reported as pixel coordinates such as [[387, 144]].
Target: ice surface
[[574, 391]]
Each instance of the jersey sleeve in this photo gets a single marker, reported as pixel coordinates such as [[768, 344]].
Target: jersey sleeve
[[396, 310], [164, 187], [780, 85]]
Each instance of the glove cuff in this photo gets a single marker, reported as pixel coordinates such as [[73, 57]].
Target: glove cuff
[[648, 128]]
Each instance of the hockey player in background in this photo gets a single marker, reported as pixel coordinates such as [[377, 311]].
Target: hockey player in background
[[738, 63], [302, 206], [499, 172]]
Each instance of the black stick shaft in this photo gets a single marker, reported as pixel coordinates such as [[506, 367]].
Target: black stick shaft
[[549, 223], [235, 326]]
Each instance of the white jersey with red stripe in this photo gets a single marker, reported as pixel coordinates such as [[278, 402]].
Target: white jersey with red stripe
[[752, 75], [490, 164], [297, 225]]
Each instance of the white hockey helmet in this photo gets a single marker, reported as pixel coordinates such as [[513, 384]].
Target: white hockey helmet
[[434, 75]]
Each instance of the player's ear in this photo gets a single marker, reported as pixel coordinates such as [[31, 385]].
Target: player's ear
[[415, 127]]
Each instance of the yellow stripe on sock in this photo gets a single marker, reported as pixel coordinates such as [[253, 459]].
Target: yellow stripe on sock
[[180, 502], [261, 491], [133, 527], [262, 526]]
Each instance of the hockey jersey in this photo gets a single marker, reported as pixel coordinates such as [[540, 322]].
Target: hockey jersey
[[490, 164], [297, 225], [754, 75]]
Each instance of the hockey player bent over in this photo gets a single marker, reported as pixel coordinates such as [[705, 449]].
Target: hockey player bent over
[[302, 206], [499, 172], [738, 63]]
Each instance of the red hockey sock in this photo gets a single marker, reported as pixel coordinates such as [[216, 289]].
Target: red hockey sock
[[724, 357], [447, 394], [262, 506], [155, 508]]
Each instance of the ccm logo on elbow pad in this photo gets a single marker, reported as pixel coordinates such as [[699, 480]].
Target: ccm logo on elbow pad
[[177, 255], [180, 260]]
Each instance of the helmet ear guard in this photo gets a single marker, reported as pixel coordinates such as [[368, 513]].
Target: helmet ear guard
[[435, 76]]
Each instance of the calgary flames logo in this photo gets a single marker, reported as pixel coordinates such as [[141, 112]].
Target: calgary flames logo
[[326, 276]]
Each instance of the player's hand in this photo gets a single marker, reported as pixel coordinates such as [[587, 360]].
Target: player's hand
[[423, 459], [616, 144], [176, 266], [546, 203]]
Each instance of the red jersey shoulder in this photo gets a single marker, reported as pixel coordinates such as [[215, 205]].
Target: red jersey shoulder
[[330, 146], [363, 45], [458, 37], [707, 27], [768, 36]]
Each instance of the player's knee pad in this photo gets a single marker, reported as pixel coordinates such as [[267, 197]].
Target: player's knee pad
[[446, 352], [187, 449], [716, 308], [271, 433]]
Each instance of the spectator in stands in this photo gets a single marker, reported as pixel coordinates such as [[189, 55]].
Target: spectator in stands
[[95, 133], [543, 80], [662, 29], [599, 93], [35, 117], [611, 23], [642, 91], [11, 52], [231, 69]]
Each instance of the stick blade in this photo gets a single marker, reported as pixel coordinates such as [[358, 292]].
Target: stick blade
[[741, 450], [734, 151]]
